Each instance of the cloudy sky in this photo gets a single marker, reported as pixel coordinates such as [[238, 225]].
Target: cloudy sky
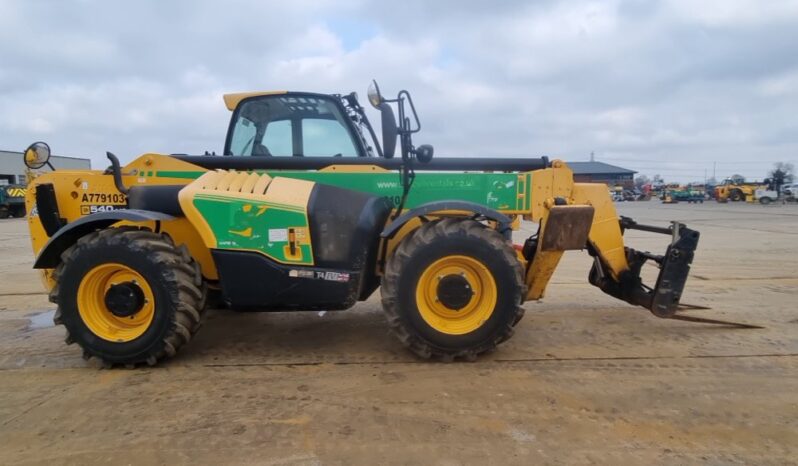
[[669, 87]]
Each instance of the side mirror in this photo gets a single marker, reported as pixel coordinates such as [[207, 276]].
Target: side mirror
[[389, 129], [37, 155], [424, 153]]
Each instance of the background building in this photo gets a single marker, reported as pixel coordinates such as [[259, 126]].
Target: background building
[[600, 172], [12, 168]]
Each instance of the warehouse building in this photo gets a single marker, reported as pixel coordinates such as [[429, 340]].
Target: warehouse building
[[600, 172], [12, 168]]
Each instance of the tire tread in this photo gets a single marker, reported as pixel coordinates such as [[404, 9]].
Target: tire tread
[[396, 266], [185, 279]]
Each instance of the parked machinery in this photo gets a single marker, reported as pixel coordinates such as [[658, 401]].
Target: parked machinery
[[12, 201], [737, 190]]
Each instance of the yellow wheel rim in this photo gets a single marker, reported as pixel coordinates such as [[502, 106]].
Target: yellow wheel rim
[[96, 315], [477, 310]]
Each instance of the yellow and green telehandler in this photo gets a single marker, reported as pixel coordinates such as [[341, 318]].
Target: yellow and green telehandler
[[307, 209]]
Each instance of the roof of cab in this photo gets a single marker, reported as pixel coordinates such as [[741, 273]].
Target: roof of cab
[[232, 100]]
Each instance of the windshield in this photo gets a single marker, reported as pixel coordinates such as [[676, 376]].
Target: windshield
[[291, 125]]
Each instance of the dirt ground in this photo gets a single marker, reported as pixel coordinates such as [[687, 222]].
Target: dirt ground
[[585, 379]]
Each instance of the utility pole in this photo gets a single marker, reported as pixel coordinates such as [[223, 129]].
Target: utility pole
[[713, 171], [592, 158]]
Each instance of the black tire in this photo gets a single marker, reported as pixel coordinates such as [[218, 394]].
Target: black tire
[[18, 212], [199, 282], [736, 196], [170, 272], [433, 241], [765, 200], [4, 213]]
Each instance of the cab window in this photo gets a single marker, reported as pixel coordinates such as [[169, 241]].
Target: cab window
[[276, 139], [291, 125], [243, 137], [326, 137]]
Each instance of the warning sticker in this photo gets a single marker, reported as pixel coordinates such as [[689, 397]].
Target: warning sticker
[[333, 276], [277, 235], [341, 277]]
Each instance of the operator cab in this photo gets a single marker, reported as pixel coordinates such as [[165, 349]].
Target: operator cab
[[303, 124], [293, 124]]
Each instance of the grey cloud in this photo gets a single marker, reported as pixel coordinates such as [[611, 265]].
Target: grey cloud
[[667, 86]]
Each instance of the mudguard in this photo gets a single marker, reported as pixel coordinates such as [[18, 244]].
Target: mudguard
[[67, 235], [503, 221]]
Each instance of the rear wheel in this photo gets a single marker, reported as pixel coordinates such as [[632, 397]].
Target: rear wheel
[[453, 289], [128, 296], [736, 195], [4, 213], [765, 200]]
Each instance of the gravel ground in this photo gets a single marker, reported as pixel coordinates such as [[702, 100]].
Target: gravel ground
[[585, 379]]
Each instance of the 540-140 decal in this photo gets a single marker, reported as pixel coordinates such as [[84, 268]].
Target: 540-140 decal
[[94, 208]]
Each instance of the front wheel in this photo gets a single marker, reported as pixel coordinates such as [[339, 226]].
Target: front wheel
[[453, 289], [128, 296]]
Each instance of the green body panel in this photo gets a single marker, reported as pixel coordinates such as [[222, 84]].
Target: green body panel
[[242, 224], [499, 191], [189, 175], [505, 192]]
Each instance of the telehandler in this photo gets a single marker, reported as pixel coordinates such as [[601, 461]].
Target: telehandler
[[306, 210], [736, 190]]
